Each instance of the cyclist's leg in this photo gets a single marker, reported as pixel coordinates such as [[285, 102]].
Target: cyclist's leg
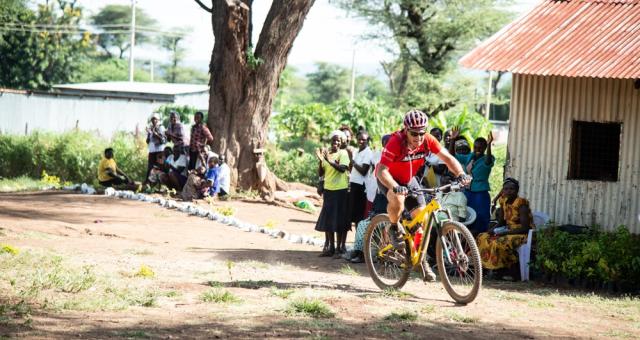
[[395, 203]]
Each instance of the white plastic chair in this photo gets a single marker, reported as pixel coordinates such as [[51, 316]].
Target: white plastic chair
[[524, 252]]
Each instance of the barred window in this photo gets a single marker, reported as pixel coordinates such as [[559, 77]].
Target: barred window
[[595, 151]]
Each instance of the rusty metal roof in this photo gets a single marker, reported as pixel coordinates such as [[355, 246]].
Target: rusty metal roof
[[573, 38]]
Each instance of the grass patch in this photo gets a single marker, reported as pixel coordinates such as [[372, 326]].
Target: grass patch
[[396, 294], [509, 297], [404, 316], [219, 296], [310, 307], [463, 318], [347, 270], [251, 284], [428, 309], [47, 281], [11, 312], [139, 334], [23, 183], [171, 293], [282, 293], [145, 272], [143, 252], [540, 304]]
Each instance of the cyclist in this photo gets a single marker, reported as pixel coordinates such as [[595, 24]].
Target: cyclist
[[402, 157]]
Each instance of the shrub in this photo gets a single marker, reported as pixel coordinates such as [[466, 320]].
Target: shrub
[[310, 307], [595, 256], [290, 166], [70, 156]]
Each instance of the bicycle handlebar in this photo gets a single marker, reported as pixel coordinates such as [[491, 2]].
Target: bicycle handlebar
[[454, 186]]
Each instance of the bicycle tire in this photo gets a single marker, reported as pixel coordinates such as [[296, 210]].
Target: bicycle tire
[[472, 262], [371, 258]]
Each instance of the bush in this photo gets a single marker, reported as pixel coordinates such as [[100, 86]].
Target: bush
[[595, 257], [71, 156], [292, 167]]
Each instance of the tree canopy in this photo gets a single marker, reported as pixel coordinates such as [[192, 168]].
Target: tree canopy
[[41, 47], [113, 23]]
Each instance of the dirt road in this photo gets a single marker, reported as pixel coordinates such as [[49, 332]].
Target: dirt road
[[215, 281]]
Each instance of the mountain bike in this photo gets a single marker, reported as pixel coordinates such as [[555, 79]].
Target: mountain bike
[[457, 255]]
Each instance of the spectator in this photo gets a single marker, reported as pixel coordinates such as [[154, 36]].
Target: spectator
[[178, 168], [108, 173], [213, 176], [377, 204], [176, 131], [435, 166], [498, 247], [225, 177], [157, 175], [334, 219], [156, 140], [196, 185], [346, 142], [168, 152], [478, 165], [200, 136], [361, 165]]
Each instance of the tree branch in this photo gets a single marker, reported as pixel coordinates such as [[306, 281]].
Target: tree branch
[[204, 7]]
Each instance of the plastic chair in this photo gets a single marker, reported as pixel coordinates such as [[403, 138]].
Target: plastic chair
[[524, 254], [540, 219]]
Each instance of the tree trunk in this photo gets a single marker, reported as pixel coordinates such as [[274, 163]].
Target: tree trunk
[[241, 91]]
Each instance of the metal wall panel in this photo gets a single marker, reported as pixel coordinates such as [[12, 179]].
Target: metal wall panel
[[542, 111], [59, 114]]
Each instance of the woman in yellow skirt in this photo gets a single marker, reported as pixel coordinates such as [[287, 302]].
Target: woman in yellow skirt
[[499, 245]]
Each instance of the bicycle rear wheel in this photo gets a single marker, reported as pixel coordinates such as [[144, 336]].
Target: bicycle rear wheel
[[458, 262], [391, 268]]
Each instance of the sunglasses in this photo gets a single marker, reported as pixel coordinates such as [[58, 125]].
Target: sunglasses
[[418, 134]]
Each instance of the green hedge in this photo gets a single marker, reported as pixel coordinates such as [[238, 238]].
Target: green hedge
[[72, 156], [595, 257]]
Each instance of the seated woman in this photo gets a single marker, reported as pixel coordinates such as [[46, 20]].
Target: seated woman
[[498, 247]]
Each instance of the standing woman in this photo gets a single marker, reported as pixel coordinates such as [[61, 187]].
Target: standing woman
[[156, 140], [334, 217]]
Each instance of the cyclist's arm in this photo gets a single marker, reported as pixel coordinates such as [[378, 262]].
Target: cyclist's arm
[[451, 162], [384, 176]]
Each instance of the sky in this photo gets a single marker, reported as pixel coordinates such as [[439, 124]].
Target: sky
[[328, 34]]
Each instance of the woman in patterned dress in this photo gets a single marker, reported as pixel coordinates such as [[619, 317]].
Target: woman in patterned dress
[[498, 246]]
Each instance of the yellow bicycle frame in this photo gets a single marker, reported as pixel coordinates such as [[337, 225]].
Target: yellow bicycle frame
[[424, 215]]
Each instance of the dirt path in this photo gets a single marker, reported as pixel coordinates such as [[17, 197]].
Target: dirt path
[[192, 256]]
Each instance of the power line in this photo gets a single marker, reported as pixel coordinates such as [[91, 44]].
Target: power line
[[80, 30]]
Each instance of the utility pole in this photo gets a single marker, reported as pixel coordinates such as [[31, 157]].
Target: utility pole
[[133, 39], [353, 75], [488, 103]]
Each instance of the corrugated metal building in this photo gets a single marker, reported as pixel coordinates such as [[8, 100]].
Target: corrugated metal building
[[574, 135], [105, 107]]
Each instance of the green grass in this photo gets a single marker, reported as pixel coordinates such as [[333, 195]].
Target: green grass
[[134, 334], [281, 293], [347, 270], [404, 316], [310, 307], [251, 284], [396, 294], [219, 296], [48, 281], [22, 183], [540, 304], [463, 318]]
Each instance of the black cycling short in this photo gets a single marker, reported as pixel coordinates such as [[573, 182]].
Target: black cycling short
[[411, 202]]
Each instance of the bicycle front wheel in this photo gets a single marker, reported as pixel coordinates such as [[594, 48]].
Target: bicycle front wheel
[[458, 262], [387, 266]]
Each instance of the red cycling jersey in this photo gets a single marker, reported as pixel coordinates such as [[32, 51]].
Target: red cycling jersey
[[404, 163]]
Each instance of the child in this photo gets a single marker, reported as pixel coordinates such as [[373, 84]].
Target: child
[[213, 177]]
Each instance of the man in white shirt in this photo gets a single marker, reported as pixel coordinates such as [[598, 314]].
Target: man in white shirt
[[225, 177], [361, 165]]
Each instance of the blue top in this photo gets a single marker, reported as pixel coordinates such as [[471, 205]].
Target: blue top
[[480, 170], [213, 175]]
